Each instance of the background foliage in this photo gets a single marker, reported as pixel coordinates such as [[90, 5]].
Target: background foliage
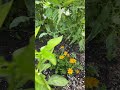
[[62, 17], [15, 18], [103, 23]]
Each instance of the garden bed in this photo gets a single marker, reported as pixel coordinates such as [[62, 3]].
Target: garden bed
[[76, 82], [107, 72]]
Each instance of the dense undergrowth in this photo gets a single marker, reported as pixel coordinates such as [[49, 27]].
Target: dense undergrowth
[[54, 18], [102, 42], [16, 40], [60, 36]]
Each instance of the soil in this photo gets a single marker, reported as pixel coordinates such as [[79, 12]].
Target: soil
[[109, 71]]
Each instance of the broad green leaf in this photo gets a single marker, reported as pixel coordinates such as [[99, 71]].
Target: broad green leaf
[[49, 56], [57, 80], [49, 13], [22, 58], [53, 42], [4, 10], [37, 86], [43, 66], [40, 87], [41, 83], [38, 79], [18, 20]]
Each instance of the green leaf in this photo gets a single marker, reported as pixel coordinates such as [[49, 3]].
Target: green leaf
[[42, 67], [60, 11], [80, 67], [68, 2], [57, 80], [4, 10], [111, 45], [97, 27], [82, 45], [18, 20], [22, 57], [55, 2], [49, 56], [37, 29], [53, 42], [43, 34], [38, 79], [41, 83], [40, 87]]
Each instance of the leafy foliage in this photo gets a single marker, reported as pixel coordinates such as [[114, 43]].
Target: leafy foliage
[[62, 17], [66, 61], [15, 72], [46, 54], [19, 66], [18, 20], [104, 22]]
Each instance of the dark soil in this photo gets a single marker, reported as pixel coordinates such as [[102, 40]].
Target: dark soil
[[9, 42], [109, 71], [3, 83]]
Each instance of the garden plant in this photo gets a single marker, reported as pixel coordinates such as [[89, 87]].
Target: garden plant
[[59, 44], [102, 44], [16, 40], [55, 55]]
